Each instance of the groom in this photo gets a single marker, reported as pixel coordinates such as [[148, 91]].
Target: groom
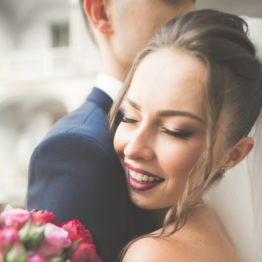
[[74, 172]]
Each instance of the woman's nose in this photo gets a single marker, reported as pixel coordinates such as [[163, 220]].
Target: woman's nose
[[140, 146]]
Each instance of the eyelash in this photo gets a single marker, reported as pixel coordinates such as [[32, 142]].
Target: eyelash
[[180, 133], [128, 120]]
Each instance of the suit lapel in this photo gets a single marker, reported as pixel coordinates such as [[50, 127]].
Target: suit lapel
[[105, 102], [101, 99]]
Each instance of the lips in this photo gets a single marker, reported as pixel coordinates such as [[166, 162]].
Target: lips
[[142, 180]]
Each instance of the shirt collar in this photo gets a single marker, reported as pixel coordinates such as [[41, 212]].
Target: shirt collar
[[110, 85]]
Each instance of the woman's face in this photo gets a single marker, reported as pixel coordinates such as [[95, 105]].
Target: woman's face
[[163, 132]]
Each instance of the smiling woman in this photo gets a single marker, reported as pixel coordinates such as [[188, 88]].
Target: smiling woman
[[189, 103], [166, 128]]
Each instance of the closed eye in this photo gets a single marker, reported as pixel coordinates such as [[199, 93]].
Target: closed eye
[[178, 133], [128, 120]]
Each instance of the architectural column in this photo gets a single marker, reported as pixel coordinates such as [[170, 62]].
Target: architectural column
[[77, 35]]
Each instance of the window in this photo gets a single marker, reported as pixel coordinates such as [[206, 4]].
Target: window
[[60, 35]]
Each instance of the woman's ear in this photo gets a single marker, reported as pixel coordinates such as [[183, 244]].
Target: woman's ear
[[98, 15], [239, 151]]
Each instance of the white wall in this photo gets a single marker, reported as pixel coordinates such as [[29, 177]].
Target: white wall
[[240, 7]]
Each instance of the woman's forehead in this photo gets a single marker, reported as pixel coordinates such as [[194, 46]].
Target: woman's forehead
[[168, 78]]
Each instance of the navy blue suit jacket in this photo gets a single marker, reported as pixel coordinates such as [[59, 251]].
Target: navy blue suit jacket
[[75, 173]]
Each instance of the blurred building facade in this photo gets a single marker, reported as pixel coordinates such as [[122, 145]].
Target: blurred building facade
[[47, 67], [43, 41]]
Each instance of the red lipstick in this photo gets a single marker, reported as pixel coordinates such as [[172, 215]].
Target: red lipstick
[[140, 170], [141, 186]]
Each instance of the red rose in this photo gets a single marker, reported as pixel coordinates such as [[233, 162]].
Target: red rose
[[85, 252], [43, 217], [77, 231]]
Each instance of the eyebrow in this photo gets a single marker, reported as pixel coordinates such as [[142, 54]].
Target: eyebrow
[[133, 104], [168, 112]]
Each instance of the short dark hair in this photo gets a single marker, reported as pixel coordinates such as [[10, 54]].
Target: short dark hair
[[89, 29]]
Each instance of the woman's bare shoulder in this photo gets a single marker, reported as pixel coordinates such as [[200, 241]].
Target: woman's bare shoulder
[[202, 239], [158, 249], [145, 250]]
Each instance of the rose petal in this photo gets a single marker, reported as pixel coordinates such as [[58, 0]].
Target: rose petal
[[56, 239]]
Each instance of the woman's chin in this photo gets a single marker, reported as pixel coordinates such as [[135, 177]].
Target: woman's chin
[[143, 203], [137, 201]]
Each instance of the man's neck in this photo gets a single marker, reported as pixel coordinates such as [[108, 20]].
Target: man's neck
[[112, 67]]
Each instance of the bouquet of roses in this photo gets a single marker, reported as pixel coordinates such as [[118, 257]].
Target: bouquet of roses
[[37, 236]]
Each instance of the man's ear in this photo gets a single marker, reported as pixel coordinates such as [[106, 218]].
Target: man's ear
[[96, 10], [239, 151]]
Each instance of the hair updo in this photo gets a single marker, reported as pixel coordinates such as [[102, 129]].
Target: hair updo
[[219, 40]]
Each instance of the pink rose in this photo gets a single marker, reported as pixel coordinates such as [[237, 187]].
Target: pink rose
[[9, 237], [77, 231], [43, 217], [36, 258], [85, 252], [56, 239], [15, 217]]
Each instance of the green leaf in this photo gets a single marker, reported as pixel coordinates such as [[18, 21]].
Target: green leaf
[[25, 229], [32, 236], [8, 208], [56, 259], [16, 254], [33, 240]]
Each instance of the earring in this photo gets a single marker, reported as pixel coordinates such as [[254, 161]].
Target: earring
[[223, 169]]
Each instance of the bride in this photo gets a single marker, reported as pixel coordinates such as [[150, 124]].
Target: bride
[[189, 103]]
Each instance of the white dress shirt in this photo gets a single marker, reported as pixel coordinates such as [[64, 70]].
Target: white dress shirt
[[110, 85]]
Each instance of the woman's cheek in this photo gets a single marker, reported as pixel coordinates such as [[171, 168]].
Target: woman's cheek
[[179, 158]]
